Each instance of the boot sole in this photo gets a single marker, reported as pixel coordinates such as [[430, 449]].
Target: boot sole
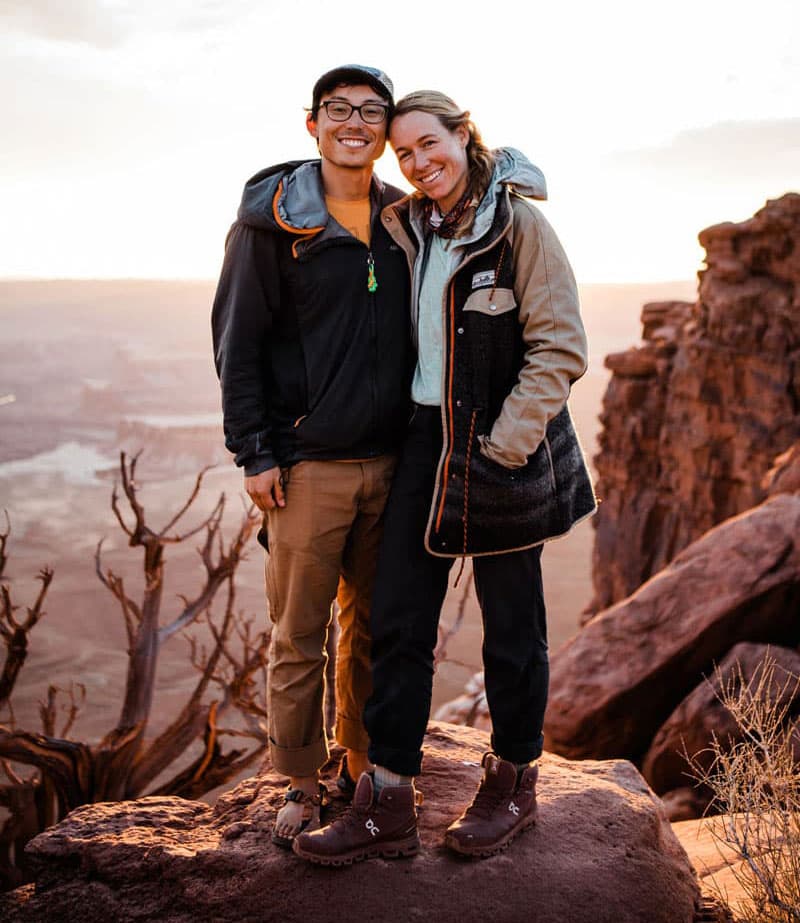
[[483, 852], [394, 849]]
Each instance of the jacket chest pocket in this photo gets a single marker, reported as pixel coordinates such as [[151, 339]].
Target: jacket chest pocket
[[490, 324], [491, 302]]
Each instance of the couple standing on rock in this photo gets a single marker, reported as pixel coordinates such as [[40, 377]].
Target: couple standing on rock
[[394, 373]]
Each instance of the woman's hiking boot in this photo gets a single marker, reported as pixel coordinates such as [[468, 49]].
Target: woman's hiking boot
[[382, 825], [503, 807]]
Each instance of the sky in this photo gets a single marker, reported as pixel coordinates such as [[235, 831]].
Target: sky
[[130, 126]]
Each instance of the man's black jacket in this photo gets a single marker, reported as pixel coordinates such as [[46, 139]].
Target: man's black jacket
[[311, 363]]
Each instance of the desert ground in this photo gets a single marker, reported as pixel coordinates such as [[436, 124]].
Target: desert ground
[[88, 369]]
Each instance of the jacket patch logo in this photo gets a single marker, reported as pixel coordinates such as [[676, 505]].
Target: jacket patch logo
[[483, 278]]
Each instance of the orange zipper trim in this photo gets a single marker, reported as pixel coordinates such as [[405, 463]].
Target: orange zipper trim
[[449, 407], [304, 232]]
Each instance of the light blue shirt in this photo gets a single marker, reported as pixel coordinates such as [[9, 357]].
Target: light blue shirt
[[426, 387]]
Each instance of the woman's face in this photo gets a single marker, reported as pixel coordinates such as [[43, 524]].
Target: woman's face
[[432, 158]]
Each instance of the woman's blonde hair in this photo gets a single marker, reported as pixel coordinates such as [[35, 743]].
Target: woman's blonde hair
[[480, 160]]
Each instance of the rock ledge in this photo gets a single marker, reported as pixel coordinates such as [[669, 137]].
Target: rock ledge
[[601, 852]]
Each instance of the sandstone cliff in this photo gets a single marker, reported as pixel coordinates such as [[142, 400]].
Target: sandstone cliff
[[693, 418]]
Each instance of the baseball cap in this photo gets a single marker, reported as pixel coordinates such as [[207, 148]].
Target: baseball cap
[[354, 74]]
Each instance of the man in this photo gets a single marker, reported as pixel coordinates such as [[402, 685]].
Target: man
[[312, 348]]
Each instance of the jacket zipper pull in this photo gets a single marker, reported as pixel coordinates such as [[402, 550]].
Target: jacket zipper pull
[[372, 282]]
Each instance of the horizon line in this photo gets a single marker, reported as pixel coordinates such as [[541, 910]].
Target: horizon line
[[213, 280]]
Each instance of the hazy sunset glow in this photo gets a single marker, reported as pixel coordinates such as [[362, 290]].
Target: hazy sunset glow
[[130, 127]]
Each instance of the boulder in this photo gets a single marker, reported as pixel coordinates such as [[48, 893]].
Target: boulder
[[615, 682], [601, 852], [470, 709], [684, 803], [701, 715]]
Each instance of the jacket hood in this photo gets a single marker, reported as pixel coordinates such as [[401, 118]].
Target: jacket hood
[[512, 168], [285, 197], [289, 197]]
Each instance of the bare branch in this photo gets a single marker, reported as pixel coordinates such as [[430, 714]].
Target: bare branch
[[212, 768], [192, 497], [175, 739], [130, 611], [128, 474], [7, 621], [10, 774], [15, 634], [3, 540], [65, 763], [35, 612], [75, 705], [47, 712], [118, 512], [217, 571], [98, 563]]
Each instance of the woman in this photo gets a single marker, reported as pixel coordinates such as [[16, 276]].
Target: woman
[[491, 468]]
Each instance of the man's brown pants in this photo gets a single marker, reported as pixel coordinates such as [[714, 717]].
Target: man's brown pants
[[324, 540]]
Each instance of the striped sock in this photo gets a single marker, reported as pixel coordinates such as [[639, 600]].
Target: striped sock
[[384, 777]]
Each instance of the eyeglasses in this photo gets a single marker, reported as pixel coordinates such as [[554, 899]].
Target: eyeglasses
[[339, 111]]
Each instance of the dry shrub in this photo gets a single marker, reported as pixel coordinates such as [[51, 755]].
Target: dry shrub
[[756, 790]]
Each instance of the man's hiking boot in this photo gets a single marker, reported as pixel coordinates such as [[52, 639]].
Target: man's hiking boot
[[503, 807], [382, 825]]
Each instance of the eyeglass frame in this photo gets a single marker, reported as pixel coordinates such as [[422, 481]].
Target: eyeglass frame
[[343, 102]]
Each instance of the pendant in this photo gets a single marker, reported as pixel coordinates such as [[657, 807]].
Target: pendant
[[372, 282]]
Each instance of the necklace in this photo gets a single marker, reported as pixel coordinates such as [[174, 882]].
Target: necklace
[[447, 226]]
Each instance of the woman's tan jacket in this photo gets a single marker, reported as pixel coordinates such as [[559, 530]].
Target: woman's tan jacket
[[512, 473]]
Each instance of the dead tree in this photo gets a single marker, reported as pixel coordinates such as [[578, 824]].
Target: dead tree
[[126, 763], [25, 800], [13, 631]]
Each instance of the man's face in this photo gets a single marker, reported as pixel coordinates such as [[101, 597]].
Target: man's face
[[352, 143]]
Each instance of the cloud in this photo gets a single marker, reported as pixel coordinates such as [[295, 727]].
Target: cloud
[[88, 22], [106, 24], [725, 151]]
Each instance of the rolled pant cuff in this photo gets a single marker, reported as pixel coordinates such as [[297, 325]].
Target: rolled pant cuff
[[298, 761], [402, 762], [516, 751], [350, 734]]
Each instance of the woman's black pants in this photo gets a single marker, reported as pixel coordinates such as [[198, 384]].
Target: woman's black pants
[[410, 587]]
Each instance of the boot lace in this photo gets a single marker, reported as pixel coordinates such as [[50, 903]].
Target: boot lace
[[486, 802], [350, 816]]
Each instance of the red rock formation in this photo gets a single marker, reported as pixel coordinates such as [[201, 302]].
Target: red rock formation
[[694, 418], [601, 852], [784, 476], [701, 715], [617, 680]]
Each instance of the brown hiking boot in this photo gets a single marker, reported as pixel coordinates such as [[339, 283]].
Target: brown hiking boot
[[500, 810], [383, 825]]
